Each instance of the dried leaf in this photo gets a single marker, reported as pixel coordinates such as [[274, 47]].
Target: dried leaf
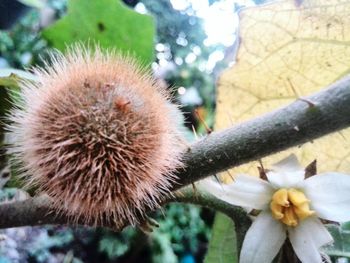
[[288, 50]]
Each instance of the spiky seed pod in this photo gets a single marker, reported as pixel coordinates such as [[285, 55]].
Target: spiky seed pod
[[98, 135]]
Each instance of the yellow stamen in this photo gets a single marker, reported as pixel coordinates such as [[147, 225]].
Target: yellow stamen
[[297, 197], [303, 211], [277, 210], [281, 197], [290, 206], [290, 218]]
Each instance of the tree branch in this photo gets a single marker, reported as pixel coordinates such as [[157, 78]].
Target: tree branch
[[237, 214], [187, 195], [35, 211], [290, 126]]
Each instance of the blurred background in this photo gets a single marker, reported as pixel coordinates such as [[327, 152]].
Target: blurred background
[[195, 40]]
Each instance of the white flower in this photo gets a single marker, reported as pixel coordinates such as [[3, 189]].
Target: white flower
[[291, 207]]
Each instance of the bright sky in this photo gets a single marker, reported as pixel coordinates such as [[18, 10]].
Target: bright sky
[[220, 24], [220, 18]]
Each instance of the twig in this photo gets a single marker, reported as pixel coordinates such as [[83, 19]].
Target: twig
[[221, 150]]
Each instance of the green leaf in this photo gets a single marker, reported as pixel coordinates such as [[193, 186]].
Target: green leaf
[[9, 77], [162, 248], [223, 243], [11, 81], [9, 90], [9, 86], [341, 236], [113, 247], [107, 22], [33, 3]]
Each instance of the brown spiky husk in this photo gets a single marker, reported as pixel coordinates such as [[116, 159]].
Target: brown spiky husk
[[98, 135]]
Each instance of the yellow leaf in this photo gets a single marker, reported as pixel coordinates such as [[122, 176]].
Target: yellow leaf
[[288, 49]]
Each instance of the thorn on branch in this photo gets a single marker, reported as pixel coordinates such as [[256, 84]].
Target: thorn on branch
[[201, 119], [195, 192], [147, 225], [232, 177], [308, 102], [262, 171]]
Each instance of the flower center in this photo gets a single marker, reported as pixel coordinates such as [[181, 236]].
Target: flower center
[[290, 206]]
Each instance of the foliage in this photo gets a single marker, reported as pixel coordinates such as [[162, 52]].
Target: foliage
[[116, 245], [223, 244], [9, 87], [341, 246], [35, 245], [299, 60], [107, 22], [7, 194], [33, 3], [21, 46], [180, 35], [185, 228], [7, 83], [287, 62], [183, 233], [274, 49]]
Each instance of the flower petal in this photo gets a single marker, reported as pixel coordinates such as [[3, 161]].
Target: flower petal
[[307, 238], [329, 195], [286, 173], [317, 231], [288, 164], [246, 191], [263, 240], [285, 179]]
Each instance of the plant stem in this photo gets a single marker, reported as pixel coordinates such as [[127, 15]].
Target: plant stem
[[293, 125]]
